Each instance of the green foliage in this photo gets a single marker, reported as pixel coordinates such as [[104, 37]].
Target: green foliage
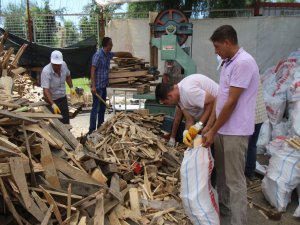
[[45, 25], [71, 33], [15, 20], [88, 26]]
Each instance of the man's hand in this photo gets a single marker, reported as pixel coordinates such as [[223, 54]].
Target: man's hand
[[208, 139], [94, 90], [192, 133], [73, 92], [55, 108], [171, 142], [205, 129]]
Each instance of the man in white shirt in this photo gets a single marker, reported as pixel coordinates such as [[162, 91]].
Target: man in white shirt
[[194, 97], [53, 78]]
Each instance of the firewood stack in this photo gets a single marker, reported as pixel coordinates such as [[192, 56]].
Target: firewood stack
[[129, 73]]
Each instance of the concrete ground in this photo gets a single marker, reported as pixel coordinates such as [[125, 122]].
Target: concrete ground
[[80, 127]]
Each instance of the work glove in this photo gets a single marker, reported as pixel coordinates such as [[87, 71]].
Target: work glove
[[73, 92], [191, 133], [55, 108], [171, 142]]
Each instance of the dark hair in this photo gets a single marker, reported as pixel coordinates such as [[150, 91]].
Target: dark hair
[[105, 41], [162, 90], [225, 32]]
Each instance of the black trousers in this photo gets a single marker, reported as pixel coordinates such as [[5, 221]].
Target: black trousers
[[62, 104]]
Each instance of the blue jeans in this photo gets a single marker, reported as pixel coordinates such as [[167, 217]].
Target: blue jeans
[[251, 152], [98, 110]]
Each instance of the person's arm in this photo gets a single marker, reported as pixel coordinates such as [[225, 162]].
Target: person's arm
[[93, 79], [122, 54], [48, 96], [229, 106], [176, 122], [69, 81], [208, 107], [211, 120], [189, 120]]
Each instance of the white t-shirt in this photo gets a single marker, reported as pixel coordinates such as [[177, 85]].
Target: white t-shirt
[[192, 91]]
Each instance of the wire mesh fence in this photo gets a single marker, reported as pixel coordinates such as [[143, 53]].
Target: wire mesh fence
[[60, 30]]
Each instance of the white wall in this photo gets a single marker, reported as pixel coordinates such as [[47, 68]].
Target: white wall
[[268, 39]]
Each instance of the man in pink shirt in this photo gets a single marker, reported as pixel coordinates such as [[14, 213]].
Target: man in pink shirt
[[232, 122]]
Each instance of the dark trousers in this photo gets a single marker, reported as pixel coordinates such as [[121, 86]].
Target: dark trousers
[[62, 104], [251, 152], [98, 110]]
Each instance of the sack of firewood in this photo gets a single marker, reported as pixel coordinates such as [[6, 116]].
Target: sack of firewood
[[197, 194]]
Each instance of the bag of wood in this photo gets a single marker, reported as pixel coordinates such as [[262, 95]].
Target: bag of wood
[[264, 137], [297, 211], [282, 177], [197, 194], [275, 106]]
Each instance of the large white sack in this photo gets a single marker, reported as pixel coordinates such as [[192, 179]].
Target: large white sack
[[282, 177], [198, 196], [264, 137], [275, 106], [275, 145], [281, 129]]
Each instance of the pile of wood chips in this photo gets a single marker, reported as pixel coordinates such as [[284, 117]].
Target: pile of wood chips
[[129, 72]]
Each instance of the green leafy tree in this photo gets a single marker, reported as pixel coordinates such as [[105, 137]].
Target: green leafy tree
[[46, 27], [15, 20], [71, 33], [90, 25]]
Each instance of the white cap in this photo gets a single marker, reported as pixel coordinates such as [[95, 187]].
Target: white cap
[[56, 57]]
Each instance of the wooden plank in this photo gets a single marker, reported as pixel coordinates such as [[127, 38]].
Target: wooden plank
[[19, 70], [57, 138], [122, 80], [50, 200], [16, 116], [124, 213], [99, 176], [69, 201], [74, 218], [48, 164], [127, 74], [10, 105], [134, 200], [33, 178], [64, 132], [43, 207], [17, 171], [44, 134], [5, 168], [99, 210], [7, 144], [18, 55], [114, 188], [47, 215], [40, 115], [57, 193], [80, 188], [72, 171], [82, 221], [113, 218], [6, 151], [9, 203]]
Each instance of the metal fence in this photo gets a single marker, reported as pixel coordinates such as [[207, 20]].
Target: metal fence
[[59, 30]]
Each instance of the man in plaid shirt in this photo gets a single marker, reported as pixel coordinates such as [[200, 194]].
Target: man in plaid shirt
[[99, 80]]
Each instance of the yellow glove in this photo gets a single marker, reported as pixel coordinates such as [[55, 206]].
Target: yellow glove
[[55, 108], [189, 135], [73, 92]]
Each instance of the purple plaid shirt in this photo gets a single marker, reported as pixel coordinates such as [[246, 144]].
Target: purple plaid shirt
[[101, 61]]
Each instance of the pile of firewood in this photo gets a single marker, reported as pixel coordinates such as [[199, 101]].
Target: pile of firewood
[[129, 72]]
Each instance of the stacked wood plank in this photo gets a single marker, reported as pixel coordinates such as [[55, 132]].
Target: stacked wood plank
[[129, 72]]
